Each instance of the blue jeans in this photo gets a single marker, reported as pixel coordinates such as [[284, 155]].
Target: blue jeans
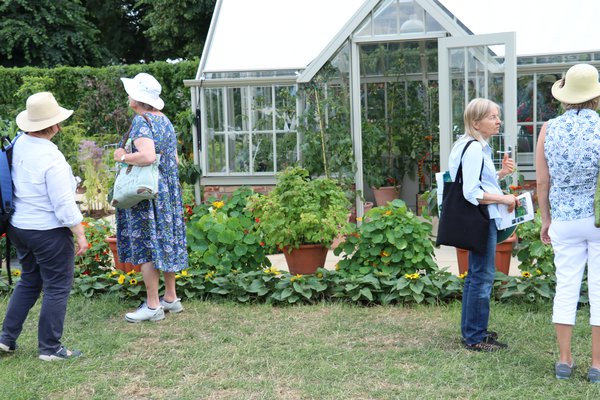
[[47, 260], [477, 291]]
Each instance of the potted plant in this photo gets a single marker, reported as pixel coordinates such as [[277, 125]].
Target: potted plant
[[301, 217]]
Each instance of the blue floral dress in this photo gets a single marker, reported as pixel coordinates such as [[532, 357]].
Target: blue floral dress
[[154, 230]]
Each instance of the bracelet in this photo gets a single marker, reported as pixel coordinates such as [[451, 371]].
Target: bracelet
[[123, 158]]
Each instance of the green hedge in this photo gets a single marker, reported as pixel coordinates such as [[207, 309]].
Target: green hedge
[[96, 94]]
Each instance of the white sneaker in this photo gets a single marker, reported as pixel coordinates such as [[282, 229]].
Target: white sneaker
[[172, 307], [143, 313]]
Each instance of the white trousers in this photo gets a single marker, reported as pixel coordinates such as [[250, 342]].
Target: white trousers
[[575, 243]]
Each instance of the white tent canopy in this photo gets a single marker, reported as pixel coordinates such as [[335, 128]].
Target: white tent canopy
[[265, 35]]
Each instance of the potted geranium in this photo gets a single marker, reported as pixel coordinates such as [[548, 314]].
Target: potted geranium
[[301, 216]]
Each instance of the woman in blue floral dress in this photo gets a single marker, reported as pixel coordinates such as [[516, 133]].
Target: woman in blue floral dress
[[152, 233]]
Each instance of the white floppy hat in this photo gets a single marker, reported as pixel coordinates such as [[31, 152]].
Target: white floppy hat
[[41, 111], [145, 89], [579, 85]]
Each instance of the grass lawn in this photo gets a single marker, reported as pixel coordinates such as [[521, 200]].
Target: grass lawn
[[326, 351]]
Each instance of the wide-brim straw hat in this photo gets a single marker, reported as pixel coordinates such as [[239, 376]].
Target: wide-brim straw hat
[[145, 89], [41, 112], [579, 85]]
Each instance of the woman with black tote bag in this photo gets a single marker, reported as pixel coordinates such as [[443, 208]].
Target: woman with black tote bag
[[472, 155]]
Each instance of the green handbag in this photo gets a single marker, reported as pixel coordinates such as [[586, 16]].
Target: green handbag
[[134, 184]]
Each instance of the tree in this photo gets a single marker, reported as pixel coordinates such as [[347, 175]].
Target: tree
[[121, 29], [176, 28], [47, 33]]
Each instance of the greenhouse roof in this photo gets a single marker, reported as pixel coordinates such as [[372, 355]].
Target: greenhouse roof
[[261, 35], [548, 27], [289, 35]]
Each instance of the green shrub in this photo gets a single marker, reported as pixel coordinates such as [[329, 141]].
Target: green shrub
[[390, 240], [300, 210], [222, 235]]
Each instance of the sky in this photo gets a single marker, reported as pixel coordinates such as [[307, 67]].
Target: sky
[[542, 26]]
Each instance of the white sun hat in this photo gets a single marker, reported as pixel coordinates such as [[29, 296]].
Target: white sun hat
[[145, 89], [41, 111], [579, 85]]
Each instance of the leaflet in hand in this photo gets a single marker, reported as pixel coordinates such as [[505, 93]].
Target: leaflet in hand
[[520, 214]]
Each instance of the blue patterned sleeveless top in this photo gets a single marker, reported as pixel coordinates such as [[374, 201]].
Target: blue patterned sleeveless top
[[572, 150]]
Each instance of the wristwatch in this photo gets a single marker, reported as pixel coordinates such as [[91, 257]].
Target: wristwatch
[[123, 158]]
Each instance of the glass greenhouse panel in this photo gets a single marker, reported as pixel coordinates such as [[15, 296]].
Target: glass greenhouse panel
[[287, 154], [547, 106], [285, 106], [262, 152], [239, 151], [214, 109], [262, 108], [385, 20], [237, 119], [216, 153]]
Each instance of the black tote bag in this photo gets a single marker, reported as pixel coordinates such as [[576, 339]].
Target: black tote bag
[[462, 224]]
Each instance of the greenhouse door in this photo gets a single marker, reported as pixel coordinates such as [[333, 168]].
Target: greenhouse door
[[477, 66]]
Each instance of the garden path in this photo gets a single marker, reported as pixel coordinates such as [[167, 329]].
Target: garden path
[[444, 255]]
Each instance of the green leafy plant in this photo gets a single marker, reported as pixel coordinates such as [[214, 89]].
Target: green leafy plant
[[391, 239], [222, 235], [538, 279], [300, 210]]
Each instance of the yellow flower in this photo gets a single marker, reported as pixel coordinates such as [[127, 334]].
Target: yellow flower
[[463, 276], [131, 272], [218, 204], [526, 274], [412, 276], [121, 279], [177, 276], [272, 271], [319, 275], [209, 275], [388, 212], [384, 254], [133, 281], [538, 271], [112, 273], [16, 272], [184, 273], [295, 277], [337, 267]]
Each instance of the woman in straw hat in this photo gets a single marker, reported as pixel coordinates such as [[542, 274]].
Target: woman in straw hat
[[480, 186], [42, 227], [568, 151], [152, 232]]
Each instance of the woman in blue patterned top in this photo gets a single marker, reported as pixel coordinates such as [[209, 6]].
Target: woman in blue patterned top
[[152, 232], [568, 151]]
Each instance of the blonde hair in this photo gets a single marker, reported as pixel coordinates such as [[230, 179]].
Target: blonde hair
[[591, 104], [476, 110]]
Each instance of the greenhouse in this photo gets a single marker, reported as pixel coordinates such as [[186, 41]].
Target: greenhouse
[[370, 92]]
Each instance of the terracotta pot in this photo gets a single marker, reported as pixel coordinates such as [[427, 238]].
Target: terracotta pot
[[367, 205], [126, 267], [503, 256], [385, 194], [305, 259]]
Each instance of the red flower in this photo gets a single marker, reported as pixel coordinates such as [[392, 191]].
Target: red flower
[[257, 220], [262, 244]]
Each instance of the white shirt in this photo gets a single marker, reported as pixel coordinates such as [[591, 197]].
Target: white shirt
[[44, 186], [473, 188]]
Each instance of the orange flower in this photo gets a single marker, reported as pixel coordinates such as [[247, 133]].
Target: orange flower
[[85, 223]]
